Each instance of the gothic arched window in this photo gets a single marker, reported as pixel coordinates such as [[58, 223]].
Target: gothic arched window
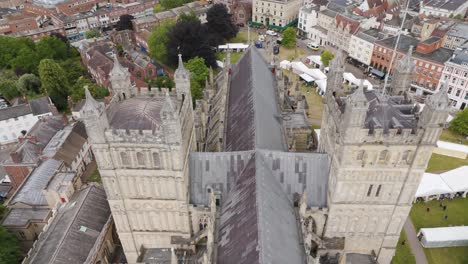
[[383, 155], [360, 155], [156, 160], [140, 159], [406, 156], [124, 158]]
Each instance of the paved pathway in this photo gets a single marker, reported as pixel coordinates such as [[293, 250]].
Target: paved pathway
[[414, 243]]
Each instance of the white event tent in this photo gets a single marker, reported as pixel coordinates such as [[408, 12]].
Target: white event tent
[[454, 236]]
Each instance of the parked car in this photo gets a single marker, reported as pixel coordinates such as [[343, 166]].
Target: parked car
[[271, 33], [258, 44], [276, 49], [261, 37], [278, 40], [313, 46]]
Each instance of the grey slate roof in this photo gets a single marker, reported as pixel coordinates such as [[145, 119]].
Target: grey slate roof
[[20, 217], [73, 233], [138, 113], [30, 192], [253, 119], [445, 4], [257, 224], [459, 30], [460, 56], [40, 106], [36, 106], [439, 55]]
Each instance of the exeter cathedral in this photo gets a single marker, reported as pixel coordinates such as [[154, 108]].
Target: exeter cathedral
[[240, 177]]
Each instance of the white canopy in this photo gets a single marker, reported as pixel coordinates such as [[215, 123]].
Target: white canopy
[[307, 77], [220, 63], [237, 46], [322, 85], [456, 179], [432, 184], [452, 146], [317, 74], [299, 67], [285, 64], [315, 59], [352, 79], [444, 236]]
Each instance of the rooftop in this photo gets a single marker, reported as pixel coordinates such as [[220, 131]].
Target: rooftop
[[30, 192], [460, 56], [459, 30], [73, 233], [370, 35], [440, 55], [253, 118], [450, 5], [21, 216], [139, 113]]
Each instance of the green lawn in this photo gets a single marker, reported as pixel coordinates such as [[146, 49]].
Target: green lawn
[[403, 254], [235, 56], [440, 163], [315, 102], [95, 177], [457, 211], [449, 135], [242, 37]]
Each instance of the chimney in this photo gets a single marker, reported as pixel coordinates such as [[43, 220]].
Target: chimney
[[15, 157]]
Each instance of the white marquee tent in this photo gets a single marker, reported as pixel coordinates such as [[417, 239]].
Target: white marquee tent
[[456, 179], [454, 236], [432, 184]]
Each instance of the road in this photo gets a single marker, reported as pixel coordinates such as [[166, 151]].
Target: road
[[414, 243]]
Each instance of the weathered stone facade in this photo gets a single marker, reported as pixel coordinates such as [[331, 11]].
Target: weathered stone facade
[[379, 152], [141, 144]]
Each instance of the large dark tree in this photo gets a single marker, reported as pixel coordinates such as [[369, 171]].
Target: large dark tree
[[190, 39], [220, 23], [125, 22]]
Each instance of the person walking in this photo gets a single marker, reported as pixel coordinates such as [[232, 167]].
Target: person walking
[[446, 216]]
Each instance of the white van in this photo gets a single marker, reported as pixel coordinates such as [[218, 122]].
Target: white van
[[313, 46]]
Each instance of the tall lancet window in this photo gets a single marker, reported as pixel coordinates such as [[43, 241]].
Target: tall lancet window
[[140, 159], [125, 159], [156, 160]]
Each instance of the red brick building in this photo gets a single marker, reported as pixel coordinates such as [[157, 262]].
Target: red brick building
[[429, 57]]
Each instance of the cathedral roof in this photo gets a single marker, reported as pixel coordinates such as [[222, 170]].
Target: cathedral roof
[[253, 119], [257, 224], [139, 113]]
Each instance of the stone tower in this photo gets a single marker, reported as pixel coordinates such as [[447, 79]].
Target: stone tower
[[141, 145], [403, 74], [379, 147], [120, 81]]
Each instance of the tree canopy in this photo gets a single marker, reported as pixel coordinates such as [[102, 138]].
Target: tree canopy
[[289, 38], [190, 16], [159, 39], [93, 33], [326, 57], [189, 38], [219, 22], [125, 22], [10, 251], [78, 92], [460, 123], [169, 4], [54, 82], [200, 73], [28, 84]]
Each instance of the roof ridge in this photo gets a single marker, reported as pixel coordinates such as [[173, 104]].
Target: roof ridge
[[88, 190]]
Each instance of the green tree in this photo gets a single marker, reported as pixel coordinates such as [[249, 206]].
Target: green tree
[[459, 16], [74, 69], [52, 48], [8, 89], [158, 40], [190, 16], [54, 82], [157, 8], [93, 33], [289, 38], [460, 123], [200, 73], [326, 57], [163, 82], [120, 49], [28, 84], [169, 4], [10, 251], [77, 92], [27, 60]]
